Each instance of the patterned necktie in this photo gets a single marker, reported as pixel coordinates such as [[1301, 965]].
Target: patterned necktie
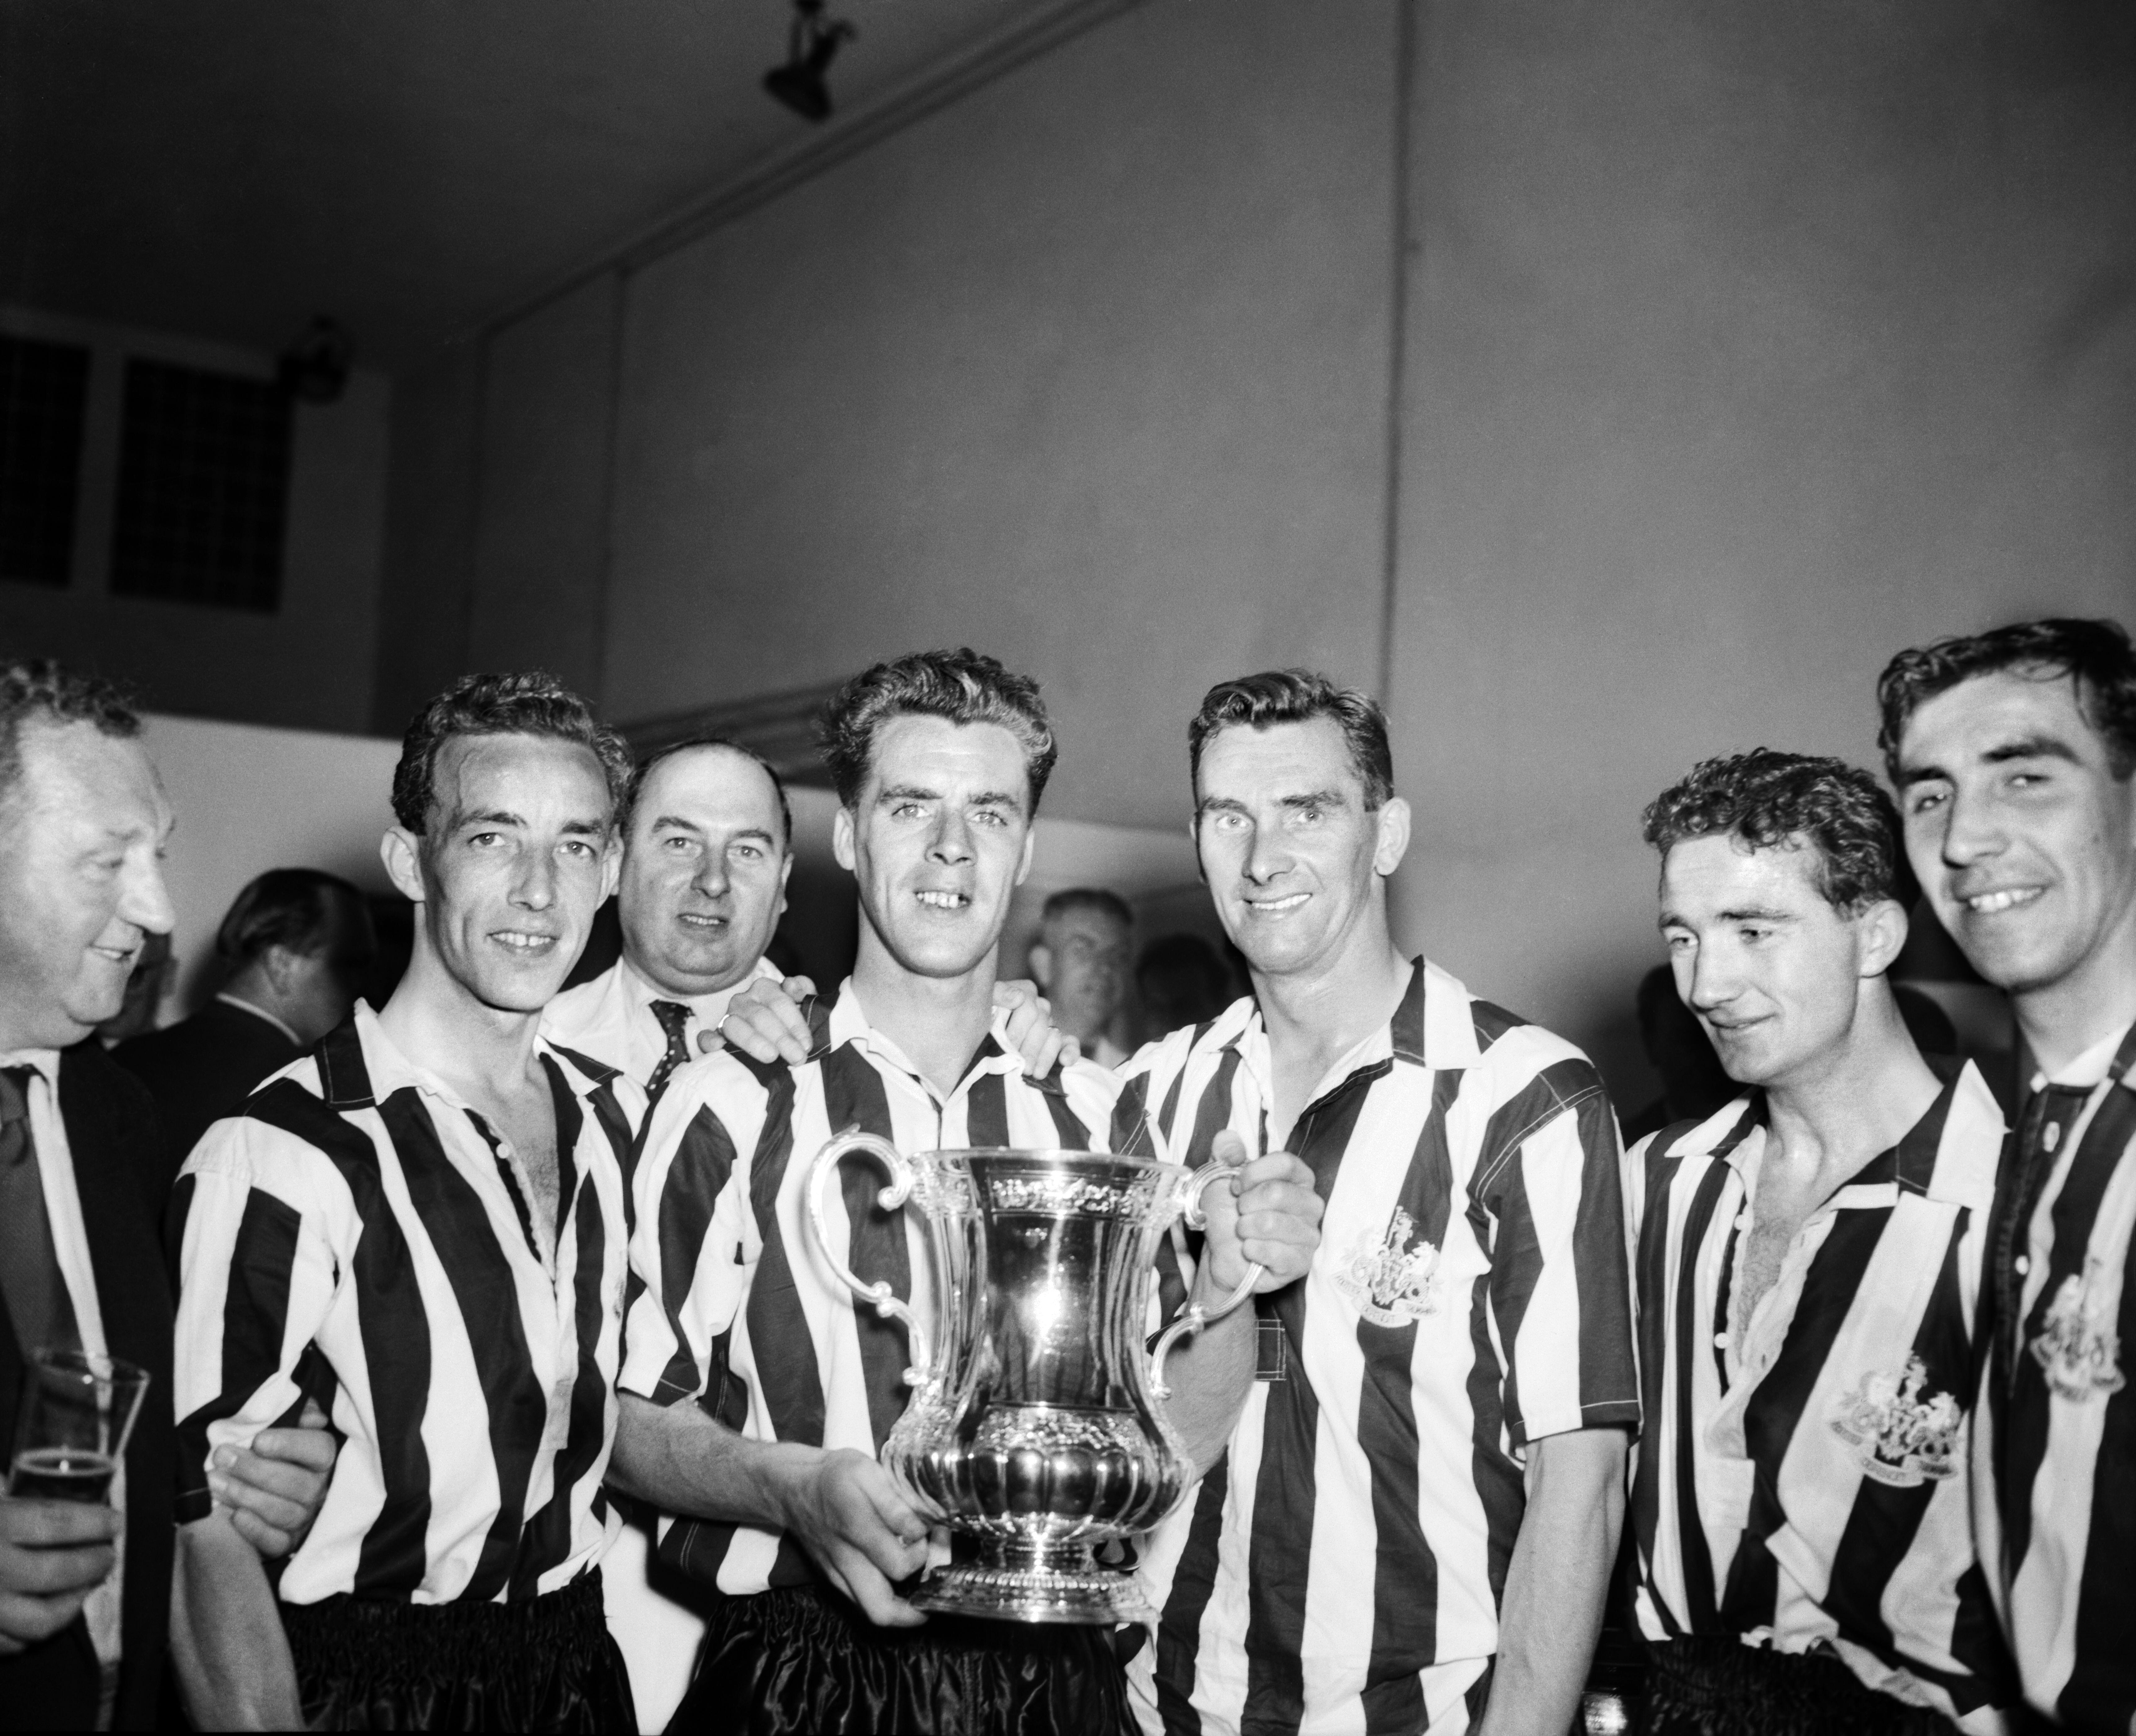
[[674, 1018], [30, 1277]]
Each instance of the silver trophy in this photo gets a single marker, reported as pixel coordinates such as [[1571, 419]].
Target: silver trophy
[[1034, 1425]]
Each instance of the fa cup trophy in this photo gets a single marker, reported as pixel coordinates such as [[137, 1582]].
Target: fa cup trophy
[[1034, 1424]]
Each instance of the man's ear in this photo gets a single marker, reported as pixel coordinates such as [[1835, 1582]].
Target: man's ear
[[401, 850], [841, 839], [611, 864], [1393, 842], [785, 879], [1023, 863], [1883, 927], [1042, 965]]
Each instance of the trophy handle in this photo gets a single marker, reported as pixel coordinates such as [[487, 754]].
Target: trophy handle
[[879, 1295], [1196, 1317]]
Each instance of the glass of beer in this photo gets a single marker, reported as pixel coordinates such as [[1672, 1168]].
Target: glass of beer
[[70, 1430]]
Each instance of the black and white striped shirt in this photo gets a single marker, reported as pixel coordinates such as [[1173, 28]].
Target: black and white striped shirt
[[1340, 1565], [2054, 1452], [358, 1234], [732, 1309], [1805, 1489]]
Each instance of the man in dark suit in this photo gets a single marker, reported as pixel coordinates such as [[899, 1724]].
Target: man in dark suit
[[296, 945], [85, 1587]]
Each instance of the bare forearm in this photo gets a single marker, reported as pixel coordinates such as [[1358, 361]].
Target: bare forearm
[[1210, 1376], [1558, 1582], [226, 1640], [682, 1462]]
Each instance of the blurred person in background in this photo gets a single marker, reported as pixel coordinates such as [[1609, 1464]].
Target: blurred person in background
[[144, 993], [84, 1586], [295, 944], [1181, 979], [1080, 961]]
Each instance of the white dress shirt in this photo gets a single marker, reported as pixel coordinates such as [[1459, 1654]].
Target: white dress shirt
[[71, 1245], [610, 1018]]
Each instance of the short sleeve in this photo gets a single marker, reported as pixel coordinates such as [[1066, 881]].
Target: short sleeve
[[257, 1273], [1561, 1278]]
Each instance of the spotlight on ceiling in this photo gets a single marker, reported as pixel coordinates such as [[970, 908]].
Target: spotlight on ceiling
[[314, 369], [801, 83]]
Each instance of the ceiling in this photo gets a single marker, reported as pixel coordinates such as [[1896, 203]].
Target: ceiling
[[229, 168]]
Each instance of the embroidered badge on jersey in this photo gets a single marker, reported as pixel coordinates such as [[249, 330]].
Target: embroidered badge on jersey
[[1899, 1437], [1390, 1283], [2077, 1345]]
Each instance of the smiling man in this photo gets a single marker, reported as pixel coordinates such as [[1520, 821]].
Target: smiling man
[[422, 1225], [1412, 1524], [757, 1395], [2014, 753], [1809, 1271], [708, 847]]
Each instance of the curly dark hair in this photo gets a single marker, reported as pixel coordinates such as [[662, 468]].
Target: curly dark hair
[[39, 687], [2095, 654], [1767, 798], [964, 685], [1297, 696], [533, 702]]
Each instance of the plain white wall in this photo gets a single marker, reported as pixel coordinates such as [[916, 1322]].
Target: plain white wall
[[248, 799]]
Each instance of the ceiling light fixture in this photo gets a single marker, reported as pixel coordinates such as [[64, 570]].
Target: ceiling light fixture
[[802, 83], [314, 369]]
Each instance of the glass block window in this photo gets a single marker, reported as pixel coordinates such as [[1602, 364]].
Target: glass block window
[[203, 487], [43, 390]]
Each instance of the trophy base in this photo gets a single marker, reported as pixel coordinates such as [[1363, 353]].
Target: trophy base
[[1034, 1583]]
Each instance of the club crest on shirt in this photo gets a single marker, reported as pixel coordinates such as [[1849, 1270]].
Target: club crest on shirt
[[2077, 1345], [1899, 1437], [1390, 1283]]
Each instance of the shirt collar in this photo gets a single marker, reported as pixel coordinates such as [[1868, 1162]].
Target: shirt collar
[[848, 1023], [261, 1012], [1431, 1027], [640, 991], [1916, 1165], [2093, 1065], [46, 1061], [390, 1070]]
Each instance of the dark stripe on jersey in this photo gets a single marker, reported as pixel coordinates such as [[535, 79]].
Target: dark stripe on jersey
[[1130, 1129], [785, 1354], [2023, 1445], [1608, 1378], [1280, 1556], [985, 1116], [1884, 1520], [1662, 1168], [394, 1329], [1213, 1114], [704, 1159], [1405, 1571], [547, 1541], [2102, 1681], [1170, 1113], [1406, 1030], [255, 1311], [453, 1216], [1193, 1582], [1775, 1409], [1069, 1132], [1490, 1023], [854, 1096], [1501, 1490], [624, 1140]]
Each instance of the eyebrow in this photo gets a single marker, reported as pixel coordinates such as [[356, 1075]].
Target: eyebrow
[[2022, 747], [984, 798], [1316, 799], [1749, 913]]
